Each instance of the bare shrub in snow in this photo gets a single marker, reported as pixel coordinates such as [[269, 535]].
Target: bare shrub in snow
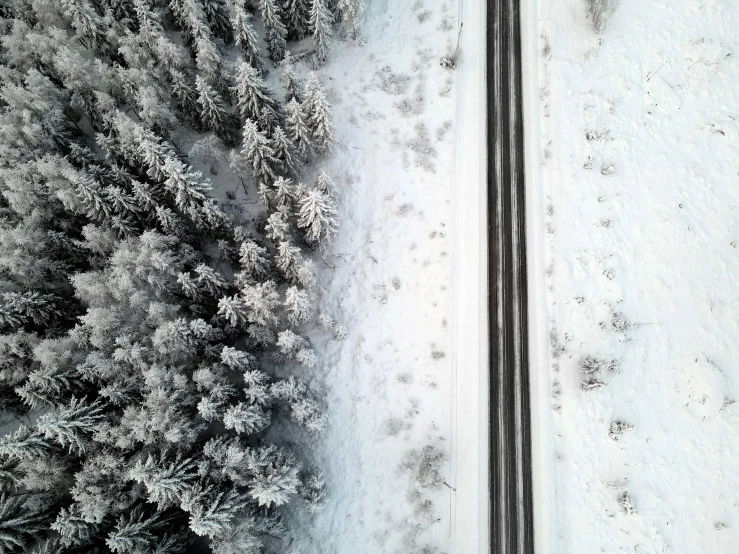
[[627, 505], [425, 465], [619, 322], [592, 370], [600, 11], [618, 428]]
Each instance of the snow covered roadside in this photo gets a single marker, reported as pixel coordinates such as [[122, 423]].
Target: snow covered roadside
[[542, 459], [388, 279], [639, 201], [470, 528]]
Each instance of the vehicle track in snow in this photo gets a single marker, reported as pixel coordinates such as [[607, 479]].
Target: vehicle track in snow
[[511, 510]]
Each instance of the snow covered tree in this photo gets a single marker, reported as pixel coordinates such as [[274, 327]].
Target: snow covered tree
[[20, 521], [274, 476], [326, 185], [216, 13], [89, 27], [284, 151], [290, 80], [29, 310], [321, 20], [73, 425], [297, 305], [258, 152], [276, 30], [213, 112], [318, 216], [297, 129], [166, 480], [211, 65], [246, 37], [254, 261], [131, 306], [296, 14], [252, 93], [245, 419], [186, 97], [319, 116]]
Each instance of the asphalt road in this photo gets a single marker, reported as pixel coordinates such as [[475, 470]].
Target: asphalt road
[[511, 519]]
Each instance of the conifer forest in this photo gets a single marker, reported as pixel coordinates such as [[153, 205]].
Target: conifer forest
[[142, 319]]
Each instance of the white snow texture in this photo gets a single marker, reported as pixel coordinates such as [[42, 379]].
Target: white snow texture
[[634, 170]]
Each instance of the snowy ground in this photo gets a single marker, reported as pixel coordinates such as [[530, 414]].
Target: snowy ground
[[636, 163], [388, 279]]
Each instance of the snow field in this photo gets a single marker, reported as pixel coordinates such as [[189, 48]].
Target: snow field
[[637, 160]]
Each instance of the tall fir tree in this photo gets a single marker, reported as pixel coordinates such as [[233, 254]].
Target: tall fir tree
[[213, 112], [296, 14], [321, 20], [258, 152], [276, 30], [319, 116], [246, 37], [297, 129], [253, 96]]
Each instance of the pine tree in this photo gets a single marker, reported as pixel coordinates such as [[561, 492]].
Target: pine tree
[[217, 16], [296, 14], [211, 65], [246, 37], [73, 528], [154, 112], [297, 129], [325, 185], [320, 26], [166, 481], [276, 30], [213, 112], [258, 152], [25, 444], [254, 259], [124, 340], [212, 516], [72, 426], [252, 93], [318, 216], [134, 531], [290, 81], [88, 25], [20, 522], [275, 476], [284, 151], [297, 305], [319, 116], [245, 419], [28, 310], [278, 226], [261, 301], [186, 97]]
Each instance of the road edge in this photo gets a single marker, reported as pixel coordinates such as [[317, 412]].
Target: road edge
[[545, 539], [470, 449]]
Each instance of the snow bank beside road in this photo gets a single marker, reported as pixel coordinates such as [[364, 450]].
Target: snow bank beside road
[[388, 278], [470, 520]]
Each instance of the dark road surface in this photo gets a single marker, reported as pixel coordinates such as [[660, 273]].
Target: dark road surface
[[511, 519]]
